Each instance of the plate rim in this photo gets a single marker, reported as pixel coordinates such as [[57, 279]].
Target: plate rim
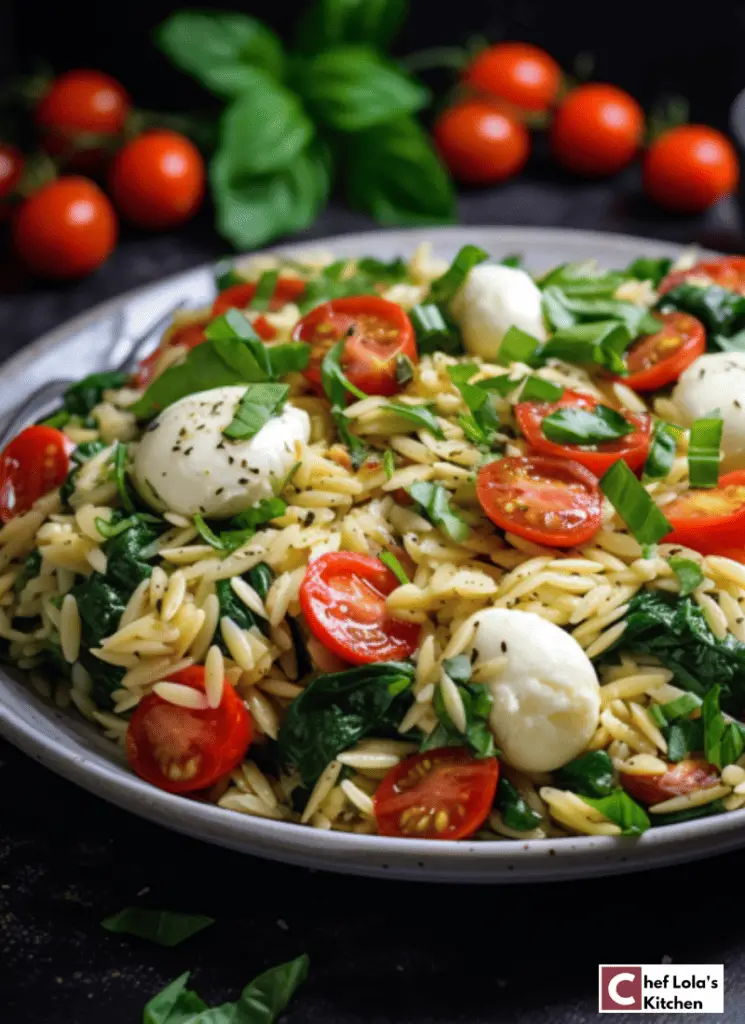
[[467, 861]]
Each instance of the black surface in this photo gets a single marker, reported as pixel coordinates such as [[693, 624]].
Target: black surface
[[382, 952]]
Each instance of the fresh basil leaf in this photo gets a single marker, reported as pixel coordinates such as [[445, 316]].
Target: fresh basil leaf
[[681, 707], [393, 173], [164, 927], [226, 276], [80, 454], [443, 289], [176, 1004], [588, 775], [204, 42], [662, 450], [358, 450], [514, 810], [207, 533], [258, 404], [119, 475], [58, 420], [434, 503], [404, 370], [515, 259], [351, 88], [689, 573], [518, 347], [684, 737], [721, 310], [420, 415], [637, 319], [583, 279], [334, 381], [724, 741], [262, 512], [704, 452], [264, 999], [389, 463], [633, 504], [81, 398], [395, 271], [536, 389], [458, 668], [482, 423], [112, 528], [602, 343], [585, 426], [657, 716], [478, 736], [265, 288], [391, 562], [646, 268], [621, 809], [333, 22], [335, 711], [433, 332]]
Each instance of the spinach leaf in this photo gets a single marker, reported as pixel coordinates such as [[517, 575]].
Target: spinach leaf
[[458, 668], [118, 474], [258, 404], [621, 809], [443, 289], [421, 416], [646, 268], [683, 738], [676, 817], [163, 927], [82, 397], [434, 503], [127, 562], [724, 740], [514, 810], [589, 775], [260, 577], [689, 574], [721, 310], [585, 426], [31, 569], [82, 453], [100, 605], [104, 679], [334, 711], [243, 526], [478, 737]]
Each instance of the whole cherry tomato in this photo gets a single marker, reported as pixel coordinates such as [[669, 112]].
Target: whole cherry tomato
[[157, 179], [689, 167], [77, 104], [519, 73], [66, 229], [480, 142], [598, 130]]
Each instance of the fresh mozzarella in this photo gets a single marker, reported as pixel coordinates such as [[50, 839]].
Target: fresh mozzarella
[[185, 464], [545, 694], [491, 300], [717, 382]]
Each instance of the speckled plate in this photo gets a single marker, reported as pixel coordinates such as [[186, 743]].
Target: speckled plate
[[70, 746]]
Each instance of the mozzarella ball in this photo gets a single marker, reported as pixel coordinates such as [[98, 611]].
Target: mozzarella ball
[[491, 300], [546, 699], [712, 382], [185, 464]]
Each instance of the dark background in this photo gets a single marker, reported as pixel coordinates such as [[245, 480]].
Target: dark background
[[382, 952]]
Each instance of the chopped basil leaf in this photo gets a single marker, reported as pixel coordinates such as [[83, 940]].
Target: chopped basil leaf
[[434, 332], [514, 259], [114, 527], [688, 572], [583, 279], [207, 535], [646, 268], [389, 463], [334, 380], [589, 775], [358, 450], [683, 738], [585, 426], [58, 419], [681, 707], [662, 449], [656, 714], [262, 512], [621, 809], [434, 503], [536, 389], [385, 273], [602, 343], [81, 398], [444, 288], [259, 403], [724, 740], [514, 810], [483, 422], [265, 288], [458, 668], [163, 927], [420, 415], [633, 504], [703, 452], [518, 347], [335, 282], [242, 526], [404, 370], [119, 475], [389, 559], [226, 276]]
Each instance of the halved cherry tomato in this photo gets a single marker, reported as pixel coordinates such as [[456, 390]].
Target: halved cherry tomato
[[679, 779], [343, 599], [375, 332], [726, 271], [632, 448], [441, 794], [187, 337], [544, 499], [658, 359], [36, 461], [183, 749], [710, 521], [238, 296]]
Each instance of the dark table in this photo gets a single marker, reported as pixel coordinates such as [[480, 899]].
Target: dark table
[[382, 952]]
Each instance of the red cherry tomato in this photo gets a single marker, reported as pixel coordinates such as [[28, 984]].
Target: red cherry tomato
[[376, 334], [66, 229], [343, 599], [36, 461], [519, 73], [481, 142], [679, 779], [11, 169], [598, 130], [188, 337], [441, 794], [546, 500], [710, 521], [157, 179], [239, 296], [183, 749], [658, 359], [690, 167], [632, 448], [80, 103], [726, 271]]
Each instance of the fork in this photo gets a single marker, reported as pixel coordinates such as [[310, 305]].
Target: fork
[[53, 390]]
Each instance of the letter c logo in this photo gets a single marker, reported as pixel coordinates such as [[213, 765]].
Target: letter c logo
[[613, 985]]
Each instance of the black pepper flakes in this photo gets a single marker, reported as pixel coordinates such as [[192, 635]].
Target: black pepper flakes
[[503, 645]]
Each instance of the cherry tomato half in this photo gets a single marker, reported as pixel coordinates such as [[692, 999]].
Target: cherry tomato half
[[441, 794], [188, 337], [481, 142], [710, 521], [36, 461], [375, 332], [239, 296], [690, 167], [343, 599], [183, 749], [66, 229], [658, 359], [632, 448], [679, 779], [519, 73], [726, 271], [157, 180], [597, 130], [547, 500], [80, 103]]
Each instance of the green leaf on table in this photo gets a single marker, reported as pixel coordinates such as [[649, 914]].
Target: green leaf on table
[[175, 1004], [570, 425], [434, 503], [589, 775], [215, 47], [689, 573], [164, 927], [258, 404], [619, 808], [329, 23], [393, 173], [82, 397]]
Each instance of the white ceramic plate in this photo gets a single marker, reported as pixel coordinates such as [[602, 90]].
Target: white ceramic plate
[[65, 743]]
